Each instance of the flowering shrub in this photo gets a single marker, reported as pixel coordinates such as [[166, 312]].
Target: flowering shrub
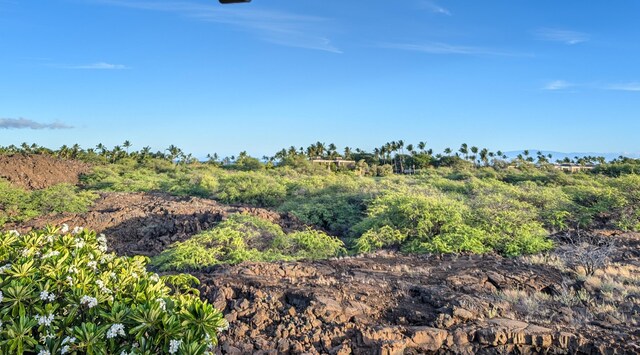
[[62, 293]]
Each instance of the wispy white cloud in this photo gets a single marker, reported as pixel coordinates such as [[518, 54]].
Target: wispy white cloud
[[24, 123], [445, 48], [434, 7], [559, 35], [558, 85], [278, 27], [635, 86], [562, 85], [99, 66]]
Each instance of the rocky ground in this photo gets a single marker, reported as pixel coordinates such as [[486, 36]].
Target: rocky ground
[[40, 171], [387, 303]]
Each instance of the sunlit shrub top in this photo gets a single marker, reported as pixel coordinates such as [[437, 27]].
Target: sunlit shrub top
[[247, 238], [61, 293]]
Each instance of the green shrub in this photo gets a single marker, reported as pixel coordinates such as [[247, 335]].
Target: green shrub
[[251, 188], [63, 294], [18, 205], [62, 198], [15, 204], [243, 237]]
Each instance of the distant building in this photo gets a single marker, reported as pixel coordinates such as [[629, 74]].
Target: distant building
[[350, 164], [573, 168]]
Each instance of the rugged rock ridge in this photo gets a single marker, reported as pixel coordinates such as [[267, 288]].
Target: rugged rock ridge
[[393, 304]]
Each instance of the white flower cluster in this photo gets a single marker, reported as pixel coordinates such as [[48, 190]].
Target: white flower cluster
[[14, 233], [65, 344], [65, 228], [1, 296], [49, 239], [47, 296], [70, 280], [224, 327], [93, 264], [174, 345], [77, 230], [4, 268], [45, 320], [79, 243], [115, 330], [89, 301], [51, 254], [103, 288], [102, 243], [163, 304], [44, 352], [154, 278]]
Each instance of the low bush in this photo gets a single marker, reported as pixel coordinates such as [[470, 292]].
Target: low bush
[[61, 293], [243, 237], [18, 205]]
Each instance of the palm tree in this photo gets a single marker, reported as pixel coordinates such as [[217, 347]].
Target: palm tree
[[174, 153], [422, 145], [464, 149], [126, 145]]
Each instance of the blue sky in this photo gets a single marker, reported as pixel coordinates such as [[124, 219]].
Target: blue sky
[[543, 74]]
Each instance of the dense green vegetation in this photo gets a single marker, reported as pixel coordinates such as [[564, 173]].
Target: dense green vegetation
[[18, 205], [472, 200], [61, 293], [244, 237]]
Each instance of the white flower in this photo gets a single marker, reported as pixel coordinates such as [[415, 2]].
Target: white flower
[[26, 252], [174, 345], [92, 264], [77, 230], [154, 278], [102, 287], [89, 301], [65, 228], [115, 330], [1, 296], [5, 268], [102, 248], [70, 280], [14, 232], [79, 243], [224, 327], [51, 254], [134, 275], [113, 275], [68, 340], [45, 320], [124, 353], [44, 352], [163, 304], [73, 270], [49, 238], [47, 296], [65, 349]]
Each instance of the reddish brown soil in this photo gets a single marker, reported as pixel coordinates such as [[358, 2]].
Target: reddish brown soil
[[35, 172], [146, 223]]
